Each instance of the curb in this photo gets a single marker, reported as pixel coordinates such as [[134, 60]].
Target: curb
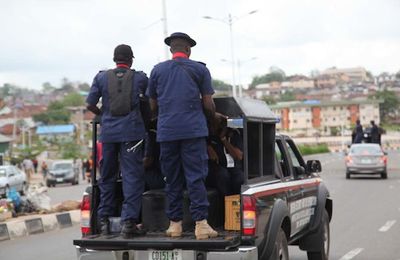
[[36, 224]]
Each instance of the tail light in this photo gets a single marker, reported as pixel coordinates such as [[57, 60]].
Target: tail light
[[349, 159], [384, 160], [85, 215], [249, 216]]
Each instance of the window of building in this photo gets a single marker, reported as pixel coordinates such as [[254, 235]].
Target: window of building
[[295, 121], [334, 119]]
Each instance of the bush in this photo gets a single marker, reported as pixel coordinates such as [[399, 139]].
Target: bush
[[307, 149]]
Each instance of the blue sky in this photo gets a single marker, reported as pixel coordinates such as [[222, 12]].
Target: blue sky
[[46, 40]]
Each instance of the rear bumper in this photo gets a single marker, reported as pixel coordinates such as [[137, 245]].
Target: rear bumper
[[241, 253], [366, 170]]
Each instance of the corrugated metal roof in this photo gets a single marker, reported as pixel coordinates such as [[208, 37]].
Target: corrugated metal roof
[[55, 129]]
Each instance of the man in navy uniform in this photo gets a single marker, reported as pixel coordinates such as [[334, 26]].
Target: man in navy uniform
[[181, 93], [122, 134]]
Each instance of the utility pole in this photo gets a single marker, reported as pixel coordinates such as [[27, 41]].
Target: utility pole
[[232, 56], [164, 19]]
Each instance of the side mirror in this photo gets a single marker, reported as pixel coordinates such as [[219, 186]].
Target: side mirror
[[299, 170], [314, 166]]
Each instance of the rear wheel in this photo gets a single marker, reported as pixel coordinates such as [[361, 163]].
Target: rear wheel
[[280, 247], [323, 254]]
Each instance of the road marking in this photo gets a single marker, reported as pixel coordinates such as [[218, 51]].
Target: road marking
[[352, 254], [387, 226]]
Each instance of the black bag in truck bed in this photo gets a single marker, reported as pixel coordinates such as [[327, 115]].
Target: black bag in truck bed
[[226, 240]]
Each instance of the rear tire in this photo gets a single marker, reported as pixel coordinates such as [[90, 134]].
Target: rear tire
[[281, 251], [324, 253]]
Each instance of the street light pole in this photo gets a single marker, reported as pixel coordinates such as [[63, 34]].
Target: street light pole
[[165, 29], [230, 24], [232, 56], [239, 64]]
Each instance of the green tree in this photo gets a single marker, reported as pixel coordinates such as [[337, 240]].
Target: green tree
[[84, 86], [398, 75], [70, 150], [47, 87], [221, 85], [390, 104], [73, 100], [267, 78], [288, 96], [67, 85], [270, 100], [56, 114]]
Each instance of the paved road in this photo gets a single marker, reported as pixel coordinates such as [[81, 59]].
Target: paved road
[[366, 213], [365, 225], [52, 245]]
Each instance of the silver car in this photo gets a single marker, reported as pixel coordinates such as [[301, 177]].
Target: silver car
[[62, 172], [12, 177], [366, 159]]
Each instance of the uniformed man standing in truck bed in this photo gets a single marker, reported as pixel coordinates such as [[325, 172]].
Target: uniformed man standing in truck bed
[[180, 90], [122, 133]]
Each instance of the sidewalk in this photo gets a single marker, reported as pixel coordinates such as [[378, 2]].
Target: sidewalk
[[38, 223]]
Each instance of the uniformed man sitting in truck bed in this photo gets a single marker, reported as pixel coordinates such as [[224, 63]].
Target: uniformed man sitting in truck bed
[[175, 88], [225, 150], [122, 133]]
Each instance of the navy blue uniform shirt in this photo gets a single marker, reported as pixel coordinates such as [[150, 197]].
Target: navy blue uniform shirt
[[119, 128], [180, 110]]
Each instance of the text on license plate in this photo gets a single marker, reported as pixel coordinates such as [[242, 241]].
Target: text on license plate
[[59, 179], [165, 255], [365, 161]]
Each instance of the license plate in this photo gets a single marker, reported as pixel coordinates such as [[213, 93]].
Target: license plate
[[165, 255], [366, 161], [59, 179]]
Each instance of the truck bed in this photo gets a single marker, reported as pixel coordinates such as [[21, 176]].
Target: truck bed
[[155, 240]]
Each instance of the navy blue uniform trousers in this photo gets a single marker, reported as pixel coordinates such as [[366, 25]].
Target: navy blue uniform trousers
[[131, 167], [185, 160]]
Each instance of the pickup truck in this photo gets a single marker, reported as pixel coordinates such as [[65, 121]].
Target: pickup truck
[[283, 201]]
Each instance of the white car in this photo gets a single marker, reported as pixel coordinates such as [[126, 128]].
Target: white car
[[12, 177]]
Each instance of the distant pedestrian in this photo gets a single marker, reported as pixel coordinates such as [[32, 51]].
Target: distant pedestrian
[[84, 162], [358, 133], [28, 167], [44, 169], [374, 133], [35, 164]]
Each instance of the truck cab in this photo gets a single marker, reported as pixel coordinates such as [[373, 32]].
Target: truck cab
[[283, 201]]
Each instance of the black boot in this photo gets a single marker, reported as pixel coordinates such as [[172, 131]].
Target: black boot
[[129, 229], [104, 226]]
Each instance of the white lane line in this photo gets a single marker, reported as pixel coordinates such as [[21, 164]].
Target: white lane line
[[352, 254], [387, 226]]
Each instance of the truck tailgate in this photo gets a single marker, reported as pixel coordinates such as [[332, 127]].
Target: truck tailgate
[[225, 240]]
